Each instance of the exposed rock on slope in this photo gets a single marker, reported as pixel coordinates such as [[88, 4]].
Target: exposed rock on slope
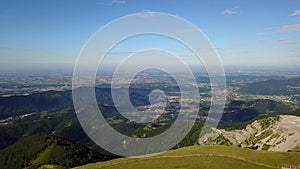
[[280, 133]]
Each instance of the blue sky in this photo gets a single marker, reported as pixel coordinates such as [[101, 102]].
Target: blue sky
[[35, 33]]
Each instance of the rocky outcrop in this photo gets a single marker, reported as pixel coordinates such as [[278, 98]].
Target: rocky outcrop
[[280, 133]]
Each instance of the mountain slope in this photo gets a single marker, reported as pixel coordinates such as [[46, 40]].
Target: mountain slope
[[239, 112], [279, 133], [36, 150], [273, 87], [202, 157]]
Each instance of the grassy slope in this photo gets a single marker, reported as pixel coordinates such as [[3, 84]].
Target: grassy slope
[[204, 157], [51, 152]]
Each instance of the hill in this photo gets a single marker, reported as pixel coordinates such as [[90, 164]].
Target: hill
[[294, 112], [238, 113], [273, 87], [20, 105], [59, 117], [36, 150], [52, 111], [203, 157]]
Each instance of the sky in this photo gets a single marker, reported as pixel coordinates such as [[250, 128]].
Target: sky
[[36, 33]]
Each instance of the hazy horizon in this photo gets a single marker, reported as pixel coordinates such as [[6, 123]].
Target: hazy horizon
[[243, 33]]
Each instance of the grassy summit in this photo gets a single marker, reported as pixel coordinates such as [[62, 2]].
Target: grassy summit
[[204, 157]]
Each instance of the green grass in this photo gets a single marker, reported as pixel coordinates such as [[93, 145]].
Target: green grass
[[204, 157], [44, 156], [51, 152]]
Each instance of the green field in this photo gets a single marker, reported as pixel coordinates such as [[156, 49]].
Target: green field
[[205, 157]]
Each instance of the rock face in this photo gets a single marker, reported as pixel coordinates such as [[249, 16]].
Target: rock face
[[280, 133]]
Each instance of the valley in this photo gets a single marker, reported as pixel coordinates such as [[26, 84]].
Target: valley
[[50, 114]]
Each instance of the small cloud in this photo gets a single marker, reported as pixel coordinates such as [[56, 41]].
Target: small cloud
[[233, 43], [118, 2], [146, 10], [120, 53], [295, 13], [289, 28], [202, 50], [229, 12], [147, 14], [110, 3], [288, 41], [208, 49], [262, 39], [218, 48], [187, 30]]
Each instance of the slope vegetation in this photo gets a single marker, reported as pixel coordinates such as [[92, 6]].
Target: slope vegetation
[[36, 150]]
